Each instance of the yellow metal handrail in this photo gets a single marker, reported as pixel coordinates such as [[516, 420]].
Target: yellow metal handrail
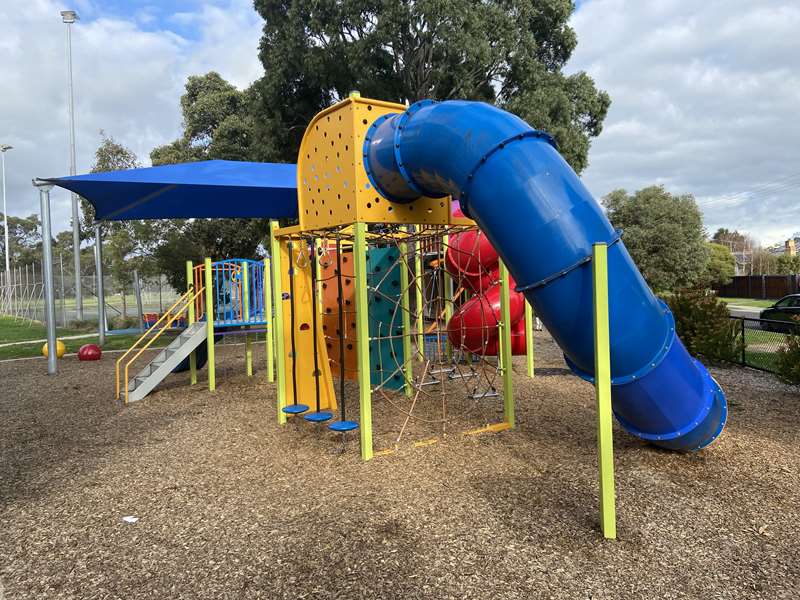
[[187, 299]]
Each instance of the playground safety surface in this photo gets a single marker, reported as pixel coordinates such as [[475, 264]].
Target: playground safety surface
[[232, 506]]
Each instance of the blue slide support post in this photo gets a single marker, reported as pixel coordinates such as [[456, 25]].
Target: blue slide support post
[[512, 181]]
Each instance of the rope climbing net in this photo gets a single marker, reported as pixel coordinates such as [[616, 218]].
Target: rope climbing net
[[430, 373]]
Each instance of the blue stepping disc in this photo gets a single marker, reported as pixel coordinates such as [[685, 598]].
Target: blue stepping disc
[[295, 409], [318, 417], [343, 426]]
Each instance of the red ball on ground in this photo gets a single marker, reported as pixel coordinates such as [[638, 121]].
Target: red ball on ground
[[89, 352]]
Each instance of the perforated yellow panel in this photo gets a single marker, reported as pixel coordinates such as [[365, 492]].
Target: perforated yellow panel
[[332, 183]]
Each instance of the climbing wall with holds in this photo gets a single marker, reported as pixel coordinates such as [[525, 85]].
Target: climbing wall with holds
[[298, 332], [385, 318], [330, 311]]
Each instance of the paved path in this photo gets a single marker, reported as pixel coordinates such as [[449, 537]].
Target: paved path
[[748, 312], [61, 337]]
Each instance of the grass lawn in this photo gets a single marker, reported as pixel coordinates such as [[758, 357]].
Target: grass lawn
[[762, 360], [757, 336], [11, 331], [749, 302]]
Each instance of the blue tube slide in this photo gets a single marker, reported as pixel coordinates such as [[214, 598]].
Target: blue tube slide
[[512, 181]]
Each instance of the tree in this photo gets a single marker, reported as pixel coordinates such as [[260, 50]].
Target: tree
[[787, 265], [734, 240], [721, 265], [218, 123], [25, 239], [128, 245], [762, 262], [664, 235], [109, 156], [119, 247], [510, 53]]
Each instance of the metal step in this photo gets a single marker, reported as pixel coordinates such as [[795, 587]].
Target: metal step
[[478, 395], [166, 360]]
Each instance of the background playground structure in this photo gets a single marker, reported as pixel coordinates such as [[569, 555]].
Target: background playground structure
[[223, 298]]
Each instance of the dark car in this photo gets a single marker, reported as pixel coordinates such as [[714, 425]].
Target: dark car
[[785, 309]]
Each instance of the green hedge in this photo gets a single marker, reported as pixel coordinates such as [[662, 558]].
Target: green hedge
[[703, 323]]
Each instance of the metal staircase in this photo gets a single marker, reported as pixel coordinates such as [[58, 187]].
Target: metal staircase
[[166, 360], [162, 365]]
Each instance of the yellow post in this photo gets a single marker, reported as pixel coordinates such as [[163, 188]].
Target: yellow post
[[602, 386], [505, 347], [270, 340], [448, 295], [248, 348], [277, 299], [190, 321], [405, 304], [212, 373], [362, 339], [529, 317], [420, 280]]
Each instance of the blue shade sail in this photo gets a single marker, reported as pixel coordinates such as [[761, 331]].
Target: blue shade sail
[[209, 189]]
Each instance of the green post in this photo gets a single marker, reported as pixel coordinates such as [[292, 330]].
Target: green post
[[212, 373], [270, 339], [448, 294], [505, 346], [318, 275], [277, 299], [191, 320], [420, 281], [248, 347], [529, 337], [405, 306], [602, 386], [362, 342]]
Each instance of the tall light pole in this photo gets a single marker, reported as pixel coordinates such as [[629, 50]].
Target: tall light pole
[[3, 149], [69, 17]]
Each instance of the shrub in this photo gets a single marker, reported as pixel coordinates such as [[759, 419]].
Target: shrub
[[703, 323], [126, 323], [787, 364], [83, 325]]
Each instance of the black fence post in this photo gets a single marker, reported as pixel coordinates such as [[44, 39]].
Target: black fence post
[[744, 355]]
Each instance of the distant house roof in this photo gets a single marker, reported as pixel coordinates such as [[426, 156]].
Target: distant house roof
[[208, 189]]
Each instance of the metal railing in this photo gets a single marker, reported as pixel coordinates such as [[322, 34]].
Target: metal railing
[[152, 334], [762, 338], [237, 292]]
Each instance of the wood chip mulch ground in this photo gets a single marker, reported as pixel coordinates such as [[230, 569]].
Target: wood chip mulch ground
[[230, 505]]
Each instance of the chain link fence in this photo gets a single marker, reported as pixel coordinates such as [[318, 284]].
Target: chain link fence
[[762, 339], [22, 296]]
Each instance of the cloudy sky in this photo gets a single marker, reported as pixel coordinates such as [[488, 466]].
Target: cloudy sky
[[704, 94]]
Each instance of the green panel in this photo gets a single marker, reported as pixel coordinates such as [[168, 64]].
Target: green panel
[[209, 292], [419, 281], [448, 294], [602, 370], [385, 318], [529, 318], [277, 320], [192, 316], [408, 378], [505, 347], [270, 339], [362, 340], [248, 346]]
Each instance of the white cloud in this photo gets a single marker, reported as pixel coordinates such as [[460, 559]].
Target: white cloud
[[704, 97], [128, 74]]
